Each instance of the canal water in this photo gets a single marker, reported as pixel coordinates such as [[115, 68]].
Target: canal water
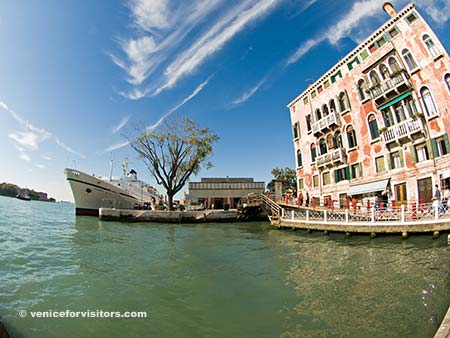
[[213, 280]]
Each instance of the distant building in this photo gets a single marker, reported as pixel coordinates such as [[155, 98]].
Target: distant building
[[377, 123], [214, 193], [42, 196]]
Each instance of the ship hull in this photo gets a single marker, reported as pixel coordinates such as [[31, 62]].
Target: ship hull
[[91, 193]]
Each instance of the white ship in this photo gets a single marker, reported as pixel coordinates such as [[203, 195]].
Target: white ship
[[93, 192]]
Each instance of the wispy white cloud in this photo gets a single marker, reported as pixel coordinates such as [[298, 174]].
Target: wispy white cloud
[[178, 106], [22, 154], [213, 40], [31, 136], [67, 148], [249, 93], [117, 146], [40, 166], [121, 124], [344, 27], [161, 27], [47, 158], [165, 39], [438, 10], [149, 15]]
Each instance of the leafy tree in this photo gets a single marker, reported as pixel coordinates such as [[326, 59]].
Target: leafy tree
[[287, 177], [174, 152]]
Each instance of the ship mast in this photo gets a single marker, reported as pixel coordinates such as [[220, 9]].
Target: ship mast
[[110, 169], [125, 166]]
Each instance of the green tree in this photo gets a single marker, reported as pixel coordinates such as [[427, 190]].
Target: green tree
[[174, 152], [287, 177]]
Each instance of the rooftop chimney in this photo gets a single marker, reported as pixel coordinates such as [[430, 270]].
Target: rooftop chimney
[[389, 8]]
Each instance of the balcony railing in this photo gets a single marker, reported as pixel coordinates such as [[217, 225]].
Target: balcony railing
[[331, 158], [326, 123], [402, 130], [389, 84]]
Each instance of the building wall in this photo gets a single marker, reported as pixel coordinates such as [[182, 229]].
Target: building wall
[[431, 72], [216, 192]]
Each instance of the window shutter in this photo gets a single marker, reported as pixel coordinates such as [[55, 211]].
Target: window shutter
[[347, 173], [402, 161], [412, 150], [336, 175], [434, 148], [447, 145], [429, 149], [389, 159]]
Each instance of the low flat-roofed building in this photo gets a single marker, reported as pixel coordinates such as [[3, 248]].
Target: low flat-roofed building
[[216, 193]]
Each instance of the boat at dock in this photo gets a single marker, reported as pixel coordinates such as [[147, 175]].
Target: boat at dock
[[93, 192]]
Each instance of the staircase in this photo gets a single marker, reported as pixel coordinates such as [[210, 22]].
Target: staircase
[[272, 209]]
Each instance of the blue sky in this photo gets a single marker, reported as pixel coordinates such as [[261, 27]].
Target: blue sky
[[75, 76]]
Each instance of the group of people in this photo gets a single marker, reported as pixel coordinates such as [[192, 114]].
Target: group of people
[[301, 199]]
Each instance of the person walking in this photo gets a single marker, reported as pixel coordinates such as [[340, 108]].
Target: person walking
[[300, 199], [437, 198]]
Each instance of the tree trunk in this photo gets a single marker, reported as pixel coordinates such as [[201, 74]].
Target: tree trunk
[[170, 200]]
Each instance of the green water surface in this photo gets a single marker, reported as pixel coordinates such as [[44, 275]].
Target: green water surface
[[213, 280]]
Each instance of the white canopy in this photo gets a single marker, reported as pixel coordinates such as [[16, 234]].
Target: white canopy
[[368, 187]]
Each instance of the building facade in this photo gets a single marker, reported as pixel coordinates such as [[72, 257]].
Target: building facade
[[377, 123], [215, 193]]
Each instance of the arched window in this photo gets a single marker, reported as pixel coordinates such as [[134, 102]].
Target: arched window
[[299, 159], [318, 114], [332, 105], [308, 122], [393, 64], [361, 89], [373, 127], [447, 81], [384, 72], [409, 60], [313, 152], [325, 110], [330, 142], [432, 48], [374, 78], [322, 146], [351, 137], [428, 102], [337, 140], [343, 101]]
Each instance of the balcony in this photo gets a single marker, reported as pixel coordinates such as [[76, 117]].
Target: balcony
[[403, 130], [336, 156], [391, 87], [325, 124]]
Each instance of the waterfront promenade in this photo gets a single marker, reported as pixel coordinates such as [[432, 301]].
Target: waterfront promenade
[[403, 219]]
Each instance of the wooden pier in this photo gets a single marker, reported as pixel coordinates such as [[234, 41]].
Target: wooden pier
[[444, 329], [401, 220]]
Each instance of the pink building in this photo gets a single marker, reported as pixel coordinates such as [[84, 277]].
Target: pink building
[[377, 123]]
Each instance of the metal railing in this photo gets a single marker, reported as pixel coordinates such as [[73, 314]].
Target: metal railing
[[403, 129], [336, 155], [388, 84], [326, 122], [411, 212]]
